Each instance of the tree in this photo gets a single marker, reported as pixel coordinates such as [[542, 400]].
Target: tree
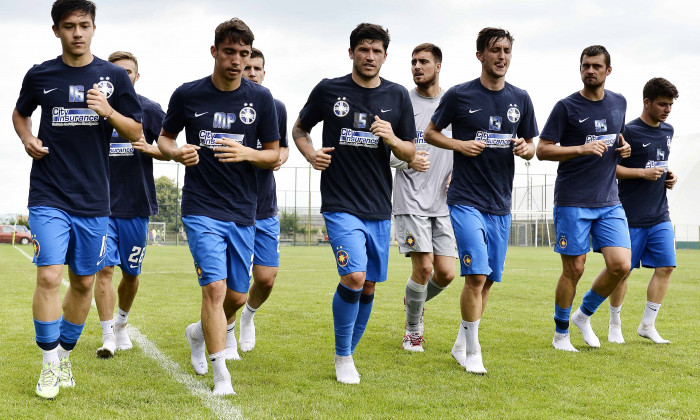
[[168, 202]]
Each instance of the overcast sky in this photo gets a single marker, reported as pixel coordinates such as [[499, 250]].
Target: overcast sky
[[305, 41]]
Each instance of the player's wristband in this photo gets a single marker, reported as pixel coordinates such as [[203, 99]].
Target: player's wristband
[[109, 115]]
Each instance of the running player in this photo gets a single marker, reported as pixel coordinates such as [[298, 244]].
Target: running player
[[492, 121], [644, 178], [82, 98], [266, 253], [423, 228], [132, 200], [224, 116], [365, 117], [587, 125]]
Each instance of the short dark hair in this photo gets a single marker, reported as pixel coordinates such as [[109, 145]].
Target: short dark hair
[[370, 32], [488, 36], [658, 86], [594, 50], [234, 30], [62, 8], [255, 53], [123, 55], [431, 48]]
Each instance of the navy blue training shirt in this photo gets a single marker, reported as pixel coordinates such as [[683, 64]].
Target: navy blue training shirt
[[74, 175], [132, 188], [221, 191], [587, 181], [645, 201], [485, 182], [358, 180], [267, 189]]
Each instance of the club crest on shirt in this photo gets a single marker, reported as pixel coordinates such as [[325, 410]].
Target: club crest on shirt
[[495, 123], [37, 247], [562, 242], [410, 240], [342, 258], [247, 114], [467, 260], [513, 113], [601, 126], [105, 86], [198, 269], [341, 107]]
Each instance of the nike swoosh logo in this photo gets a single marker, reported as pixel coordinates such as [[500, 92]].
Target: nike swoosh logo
[[471, 111], [100, 261], [133, 266], [645, 145], [580, 121], [415, 115], [48, 91], [197, 114], [385, 110]]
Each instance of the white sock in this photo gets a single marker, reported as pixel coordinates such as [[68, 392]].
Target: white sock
[[248, 312], [62, 353], [650, 311], [50, 356], [122, 317], [231, 335], [198, 333], [218, 364], [107, 327], [615, 314], [460, 336], [471, 333]]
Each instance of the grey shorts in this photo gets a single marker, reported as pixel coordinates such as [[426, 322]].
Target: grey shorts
[[425, 234]]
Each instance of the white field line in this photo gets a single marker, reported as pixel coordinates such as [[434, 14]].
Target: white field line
[[221, 407]]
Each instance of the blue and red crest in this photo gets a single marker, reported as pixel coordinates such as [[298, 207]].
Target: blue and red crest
[[410, 240], [467, 260], [342, 258], [562, 242], [37, 247]]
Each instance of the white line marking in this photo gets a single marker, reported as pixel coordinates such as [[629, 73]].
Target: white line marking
[[221, 407]]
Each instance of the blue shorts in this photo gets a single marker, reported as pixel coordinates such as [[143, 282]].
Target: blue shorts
[[482, 241], [359, 244], [62, 238], [653, 246], [126, 243], [607, 226], [221, 251], [267, 242]]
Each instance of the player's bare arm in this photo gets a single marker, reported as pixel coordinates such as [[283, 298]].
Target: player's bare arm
[[404, 150], [230, 150], [524, 148], [32, 145], [420, 163], [649, 174], [319, 159], [671, 180], [434, 136], [151, 150], [548, 150], [284, 155], [625, 150], [187, 154], [127, 128]]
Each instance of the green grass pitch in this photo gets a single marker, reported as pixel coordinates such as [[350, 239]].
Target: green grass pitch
[[290, 373]]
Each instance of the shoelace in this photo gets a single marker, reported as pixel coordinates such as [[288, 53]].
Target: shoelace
[[46, 379], [65, 370], [415, 338]]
